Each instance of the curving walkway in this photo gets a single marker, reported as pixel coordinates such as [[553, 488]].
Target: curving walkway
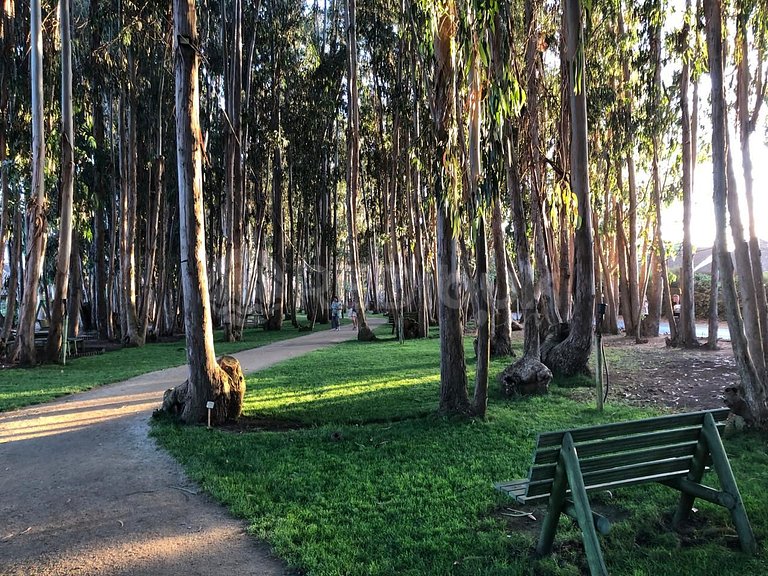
[[84, 491]]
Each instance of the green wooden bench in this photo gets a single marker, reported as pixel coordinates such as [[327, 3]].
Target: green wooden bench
[[673, 450]]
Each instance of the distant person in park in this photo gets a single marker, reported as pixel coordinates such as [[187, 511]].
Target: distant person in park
[[353, 316], [335, 313], [676, 307]]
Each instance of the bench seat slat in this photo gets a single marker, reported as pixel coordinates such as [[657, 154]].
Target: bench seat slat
[[549, 455], [610, 485], [594, 464], [549, 439], [514, 488], [622, 475]]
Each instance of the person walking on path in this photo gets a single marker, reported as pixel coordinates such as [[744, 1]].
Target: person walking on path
[[335, 313]]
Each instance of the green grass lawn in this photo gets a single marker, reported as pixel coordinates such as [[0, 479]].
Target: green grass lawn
[[25, 386], [374, 483]]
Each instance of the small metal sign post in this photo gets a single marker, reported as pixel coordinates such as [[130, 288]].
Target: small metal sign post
[[210, 406], [601, 308]]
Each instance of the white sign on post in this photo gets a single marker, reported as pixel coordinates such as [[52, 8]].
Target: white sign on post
[[209, 405]]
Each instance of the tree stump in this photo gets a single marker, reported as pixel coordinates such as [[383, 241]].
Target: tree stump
[[410, 329], [526, 377], [227, 395], [365, 334]]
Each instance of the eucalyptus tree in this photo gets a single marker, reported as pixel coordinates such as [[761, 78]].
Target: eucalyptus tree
[[99, 171], [420, 195], [751, 24], [128, 155], [313, 109], [479, 24], [632, 296], [687, 325], [8, 43], [56, 328], [14, 138], [507, 134], [656, 119], [753, 383], [24, 352], [207, 381], [536, 177], [571, 355], [232, 220], [353, 170], [453, 375]]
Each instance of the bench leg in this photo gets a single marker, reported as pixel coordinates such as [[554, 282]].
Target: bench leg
[[556, 505], [728, 482], [695, 474], [583, 510]]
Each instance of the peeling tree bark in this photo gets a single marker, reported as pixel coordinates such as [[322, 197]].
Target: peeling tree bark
[[24, 353], [572, 355], [207, 381]]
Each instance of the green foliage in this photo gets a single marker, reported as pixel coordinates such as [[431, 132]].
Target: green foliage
[[372, 482]]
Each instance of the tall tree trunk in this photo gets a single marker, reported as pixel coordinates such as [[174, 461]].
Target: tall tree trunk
[[418, 215], [537, 177], [275, 321], [687, 326], [24, 352], [7, 41], [632, 323], [99, 188], [150, 255], [128, 188], [353, 171], [747, 121], [714, 317], [15, 251], [396, 265], [61, 280], [454, 398], [656, 41], [572, 355], [207, 381], [228, 209], [111, 300], [752, 386], [238, 192], [746, 286], [75, 291], [501, 344], [482, 311]]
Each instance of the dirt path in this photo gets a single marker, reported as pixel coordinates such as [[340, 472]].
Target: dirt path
[[84, 491]]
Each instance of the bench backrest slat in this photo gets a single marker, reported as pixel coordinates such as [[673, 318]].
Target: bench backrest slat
[[603, 431], [595, 464], [612, 455], [599, 447]]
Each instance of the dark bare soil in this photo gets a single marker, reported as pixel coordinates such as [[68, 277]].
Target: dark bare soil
[[654, 374]]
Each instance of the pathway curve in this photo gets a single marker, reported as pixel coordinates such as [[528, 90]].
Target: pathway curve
[[85, 491]]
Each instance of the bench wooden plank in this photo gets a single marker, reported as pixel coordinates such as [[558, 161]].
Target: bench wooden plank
[[603, 431], [645, 440], [593, 464]]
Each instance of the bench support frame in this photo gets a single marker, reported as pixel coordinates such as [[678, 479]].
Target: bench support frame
[[569, 495]]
